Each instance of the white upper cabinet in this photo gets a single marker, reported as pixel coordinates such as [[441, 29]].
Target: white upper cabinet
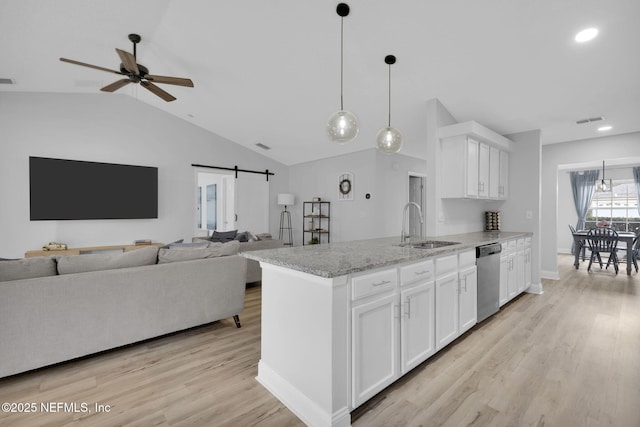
[[484, 174]]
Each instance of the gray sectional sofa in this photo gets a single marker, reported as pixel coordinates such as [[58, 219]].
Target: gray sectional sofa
[[54, 309], [253, 243]]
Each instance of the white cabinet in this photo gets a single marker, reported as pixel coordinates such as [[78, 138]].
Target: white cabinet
[[468, 292], [460, 182], [515, 268], [494, 173], [374, 347], [527, 262], [520, 271], [485, 171], [508, 273], [417, 325], [374, 333], [456, 296], [392, 327], [503, 178]]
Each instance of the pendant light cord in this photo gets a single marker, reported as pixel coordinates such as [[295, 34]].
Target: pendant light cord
[[389, 95], [341, 61]]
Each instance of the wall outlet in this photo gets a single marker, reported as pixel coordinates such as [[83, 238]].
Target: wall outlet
[[528, 214]]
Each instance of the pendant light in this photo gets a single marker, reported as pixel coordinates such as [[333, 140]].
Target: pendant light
[[389, 140], [342, 126], [605, 184]]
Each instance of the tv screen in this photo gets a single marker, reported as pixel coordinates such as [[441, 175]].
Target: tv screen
[[70, 189]]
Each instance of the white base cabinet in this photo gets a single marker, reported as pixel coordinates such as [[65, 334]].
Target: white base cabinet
[[392, 326], [374, 347], [515, 268]]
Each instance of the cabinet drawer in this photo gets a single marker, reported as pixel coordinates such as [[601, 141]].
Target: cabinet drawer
[[467, 259], [420, 271], [370, 284], [446, 264]]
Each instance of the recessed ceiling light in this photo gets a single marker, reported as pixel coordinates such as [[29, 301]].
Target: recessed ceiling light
[[586, 35], [605, 128]]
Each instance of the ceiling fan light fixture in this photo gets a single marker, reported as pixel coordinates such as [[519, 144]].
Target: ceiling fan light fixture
[[389, 140], [342, 126]]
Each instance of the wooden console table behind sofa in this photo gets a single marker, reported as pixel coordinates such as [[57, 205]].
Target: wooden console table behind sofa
[[78, 251]]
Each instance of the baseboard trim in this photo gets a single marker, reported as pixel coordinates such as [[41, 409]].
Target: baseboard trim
[[551, 275], [303, 407], [535, 288]]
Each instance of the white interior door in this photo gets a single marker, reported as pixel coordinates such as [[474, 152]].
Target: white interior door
[[251, 203]]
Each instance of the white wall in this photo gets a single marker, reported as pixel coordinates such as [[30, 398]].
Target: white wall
[[109, 128], [384, 177], [556, 159]]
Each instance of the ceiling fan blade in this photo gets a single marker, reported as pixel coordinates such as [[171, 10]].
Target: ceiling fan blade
[[129, 61], [169, 80], [84, 64], [157, 91], [116, 85]]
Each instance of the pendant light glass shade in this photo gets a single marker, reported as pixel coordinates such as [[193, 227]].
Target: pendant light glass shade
[[342, 126], [389, 140]]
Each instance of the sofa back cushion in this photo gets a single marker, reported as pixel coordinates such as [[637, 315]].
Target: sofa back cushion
[[70, 264], [27, 268], [213, 250]]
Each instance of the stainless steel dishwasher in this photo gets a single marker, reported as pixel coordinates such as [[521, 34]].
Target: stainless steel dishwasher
[[488, 266]]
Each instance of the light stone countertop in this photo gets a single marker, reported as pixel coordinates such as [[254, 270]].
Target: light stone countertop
[[338, 259]]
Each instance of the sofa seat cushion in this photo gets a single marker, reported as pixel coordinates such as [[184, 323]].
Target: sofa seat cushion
[[27, 268], [212, 250], [71, 264]]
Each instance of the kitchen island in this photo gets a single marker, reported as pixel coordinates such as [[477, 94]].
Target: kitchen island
[[342, 321]]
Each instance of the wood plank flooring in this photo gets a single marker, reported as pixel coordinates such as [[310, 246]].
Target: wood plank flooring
[[569, 357]]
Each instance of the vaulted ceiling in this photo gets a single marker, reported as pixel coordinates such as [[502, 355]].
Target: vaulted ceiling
[[269, 71]]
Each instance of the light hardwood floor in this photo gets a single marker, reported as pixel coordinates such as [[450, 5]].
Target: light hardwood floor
[[569, 357]]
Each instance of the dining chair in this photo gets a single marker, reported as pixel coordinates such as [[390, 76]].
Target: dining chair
[[635, 251], [580, 245], [603, 241]]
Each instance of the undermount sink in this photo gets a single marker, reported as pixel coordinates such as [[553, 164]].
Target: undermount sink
[[431, 244]]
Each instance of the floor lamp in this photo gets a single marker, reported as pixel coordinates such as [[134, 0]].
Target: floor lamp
[[286, 199]]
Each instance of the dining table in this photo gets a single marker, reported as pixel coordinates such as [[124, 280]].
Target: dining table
[[580, 237]]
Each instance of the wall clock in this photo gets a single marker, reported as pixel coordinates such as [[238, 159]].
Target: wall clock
[[345, 186]]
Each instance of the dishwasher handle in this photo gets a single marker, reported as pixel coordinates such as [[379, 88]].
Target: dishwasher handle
[[487, 250]]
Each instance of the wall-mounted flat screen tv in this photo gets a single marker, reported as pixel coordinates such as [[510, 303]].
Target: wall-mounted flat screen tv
[[71, 189]]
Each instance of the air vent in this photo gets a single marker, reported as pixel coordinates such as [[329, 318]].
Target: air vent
[[6, 81], [264, 147], [590, 120]]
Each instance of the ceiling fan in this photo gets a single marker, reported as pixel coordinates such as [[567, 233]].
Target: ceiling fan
[[136, 73]]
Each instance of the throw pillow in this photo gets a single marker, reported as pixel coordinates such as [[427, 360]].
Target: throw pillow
[[27, 268], [252, 237], [223, 236], [70, 264], [213, 251], [242, 237]]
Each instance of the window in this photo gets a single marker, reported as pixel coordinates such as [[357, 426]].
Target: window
[[619, 207]]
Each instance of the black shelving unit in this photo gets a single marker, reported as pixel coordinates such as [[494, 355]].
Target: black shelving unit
[[316, 223]]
